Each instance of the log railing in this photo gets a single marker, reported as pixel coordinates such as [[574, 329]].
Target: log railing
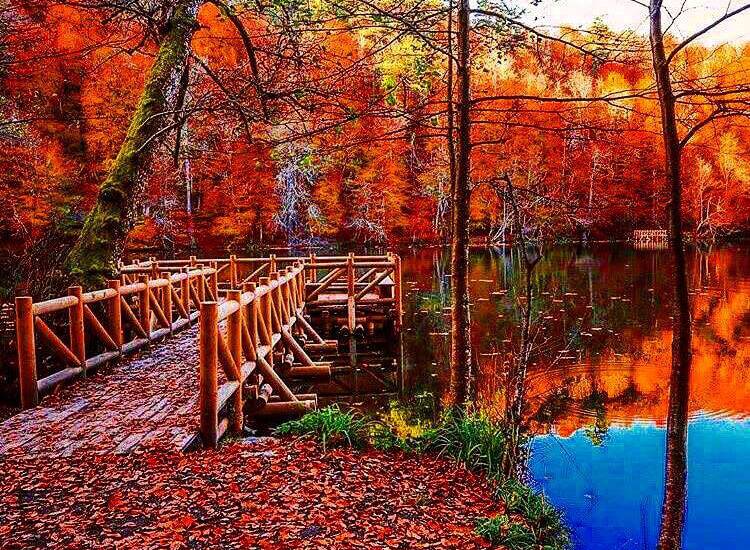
[[352, 282], [103, 325], [346, 282], [254, 337], [650, 235], [247, 349]]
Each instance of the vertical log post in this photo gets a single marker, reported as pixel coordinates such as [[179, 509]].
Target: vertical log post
[[291, 289], [114, 313], [201, 279], [185, 292], [209, 357], [234, 337], [233, 271], [302, 283], [265, 309], [272, 263], [314, 270], [166, 302], [26, 345], [281, 293], [144, 306], [213, 281], [397, 291], [274, 304], [76, 328], [251, 318], [351, 301]]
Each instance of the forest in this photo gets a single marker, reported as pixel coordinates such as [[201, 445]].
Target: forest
[[332, 272], [298, 122]]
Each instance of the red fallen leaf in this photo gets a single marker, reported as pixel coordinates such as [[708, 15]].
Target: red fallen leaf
[[235, 497], [185, 521], [115, 500]]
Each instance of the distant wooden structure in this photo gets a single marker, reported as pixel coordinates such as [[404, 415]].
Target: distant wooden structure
[[255, 316], [651, 238]]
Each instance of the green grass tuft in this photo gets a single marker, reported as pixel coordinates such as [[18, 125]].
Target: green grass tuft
[[331, 426], [472, 439], [543, 523], [513, 536]]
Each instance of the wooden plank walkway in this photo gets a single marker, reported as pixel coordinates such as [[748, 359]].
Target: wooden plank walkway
[[173, 397], [148, 401]]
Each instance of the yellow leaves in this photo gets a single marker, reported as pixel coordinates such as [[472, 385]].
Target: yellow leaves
[[581, 85], [732, 162], [398, 420]]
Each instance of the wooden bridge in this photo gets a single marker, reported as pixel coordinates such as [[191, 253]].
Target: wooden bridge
[[650, 238], [219, 341]]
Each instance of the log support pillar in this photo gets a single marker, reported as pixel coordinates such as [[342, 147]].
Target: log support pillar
[[209, 358], [25, 342]]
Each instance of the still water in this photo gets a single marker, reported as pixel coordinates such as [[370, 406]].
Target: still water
[[597, 392]]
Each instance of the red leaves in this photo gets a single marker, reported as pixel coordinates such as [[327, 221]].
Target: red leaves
[[115, 501], [269, 494]]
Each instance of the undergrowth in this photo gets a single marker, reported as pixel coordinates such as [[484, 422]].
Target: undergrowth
[[543, 525], [472, 439], [332, 426]]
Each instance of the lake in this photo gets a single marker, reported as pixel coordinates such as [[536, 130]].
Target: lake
[[597, 392]]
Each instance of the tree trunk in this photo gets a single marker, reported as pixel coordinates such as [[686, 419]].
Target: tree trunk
[[461, 372], [675, 487], [450, 133], [100, 244]]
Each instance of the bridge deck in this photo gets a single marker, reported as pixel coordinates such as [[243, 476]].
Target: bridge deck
[[148, 401]]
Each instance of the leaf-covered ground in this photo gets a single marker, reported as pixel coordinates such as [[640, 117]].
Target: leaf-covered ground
[[267, 493]]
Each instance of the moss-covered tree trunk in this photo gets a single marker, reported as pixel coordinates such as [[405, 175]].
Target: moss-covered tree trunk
[[100, 244]]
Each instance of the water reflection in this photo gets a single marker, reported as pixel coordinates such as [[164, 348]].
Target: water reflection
[[598, 383]]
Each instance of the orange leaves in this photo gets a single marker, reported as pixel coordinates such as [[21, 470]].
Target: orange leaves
[[375, 117]]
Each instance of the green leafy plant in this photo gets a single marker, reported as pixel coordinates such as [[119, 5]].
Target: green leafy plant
[[499, 530], [543, 523], [331, 426], [472, 439]]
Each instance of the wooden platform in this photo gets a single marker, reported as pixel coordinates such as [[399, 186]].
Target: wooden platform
[[147, 402], [176, 354]]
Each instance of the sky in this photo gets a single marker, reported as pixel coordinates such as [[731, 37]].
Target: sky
[[622, 14]]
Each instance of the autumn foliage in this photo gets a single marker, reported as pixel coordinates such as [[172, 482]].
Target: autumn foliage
[[357, 150], [269, 494]]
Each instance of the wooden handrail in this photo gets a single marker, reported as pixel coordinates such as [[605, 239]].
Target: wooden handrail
[[257, 319], [156, 296], [262, 319]]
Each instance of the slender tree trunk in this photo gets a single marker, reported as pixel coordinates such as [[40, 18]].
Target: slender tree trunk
[[461, 357], [675, 487], [102, 239], [450, 132]]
